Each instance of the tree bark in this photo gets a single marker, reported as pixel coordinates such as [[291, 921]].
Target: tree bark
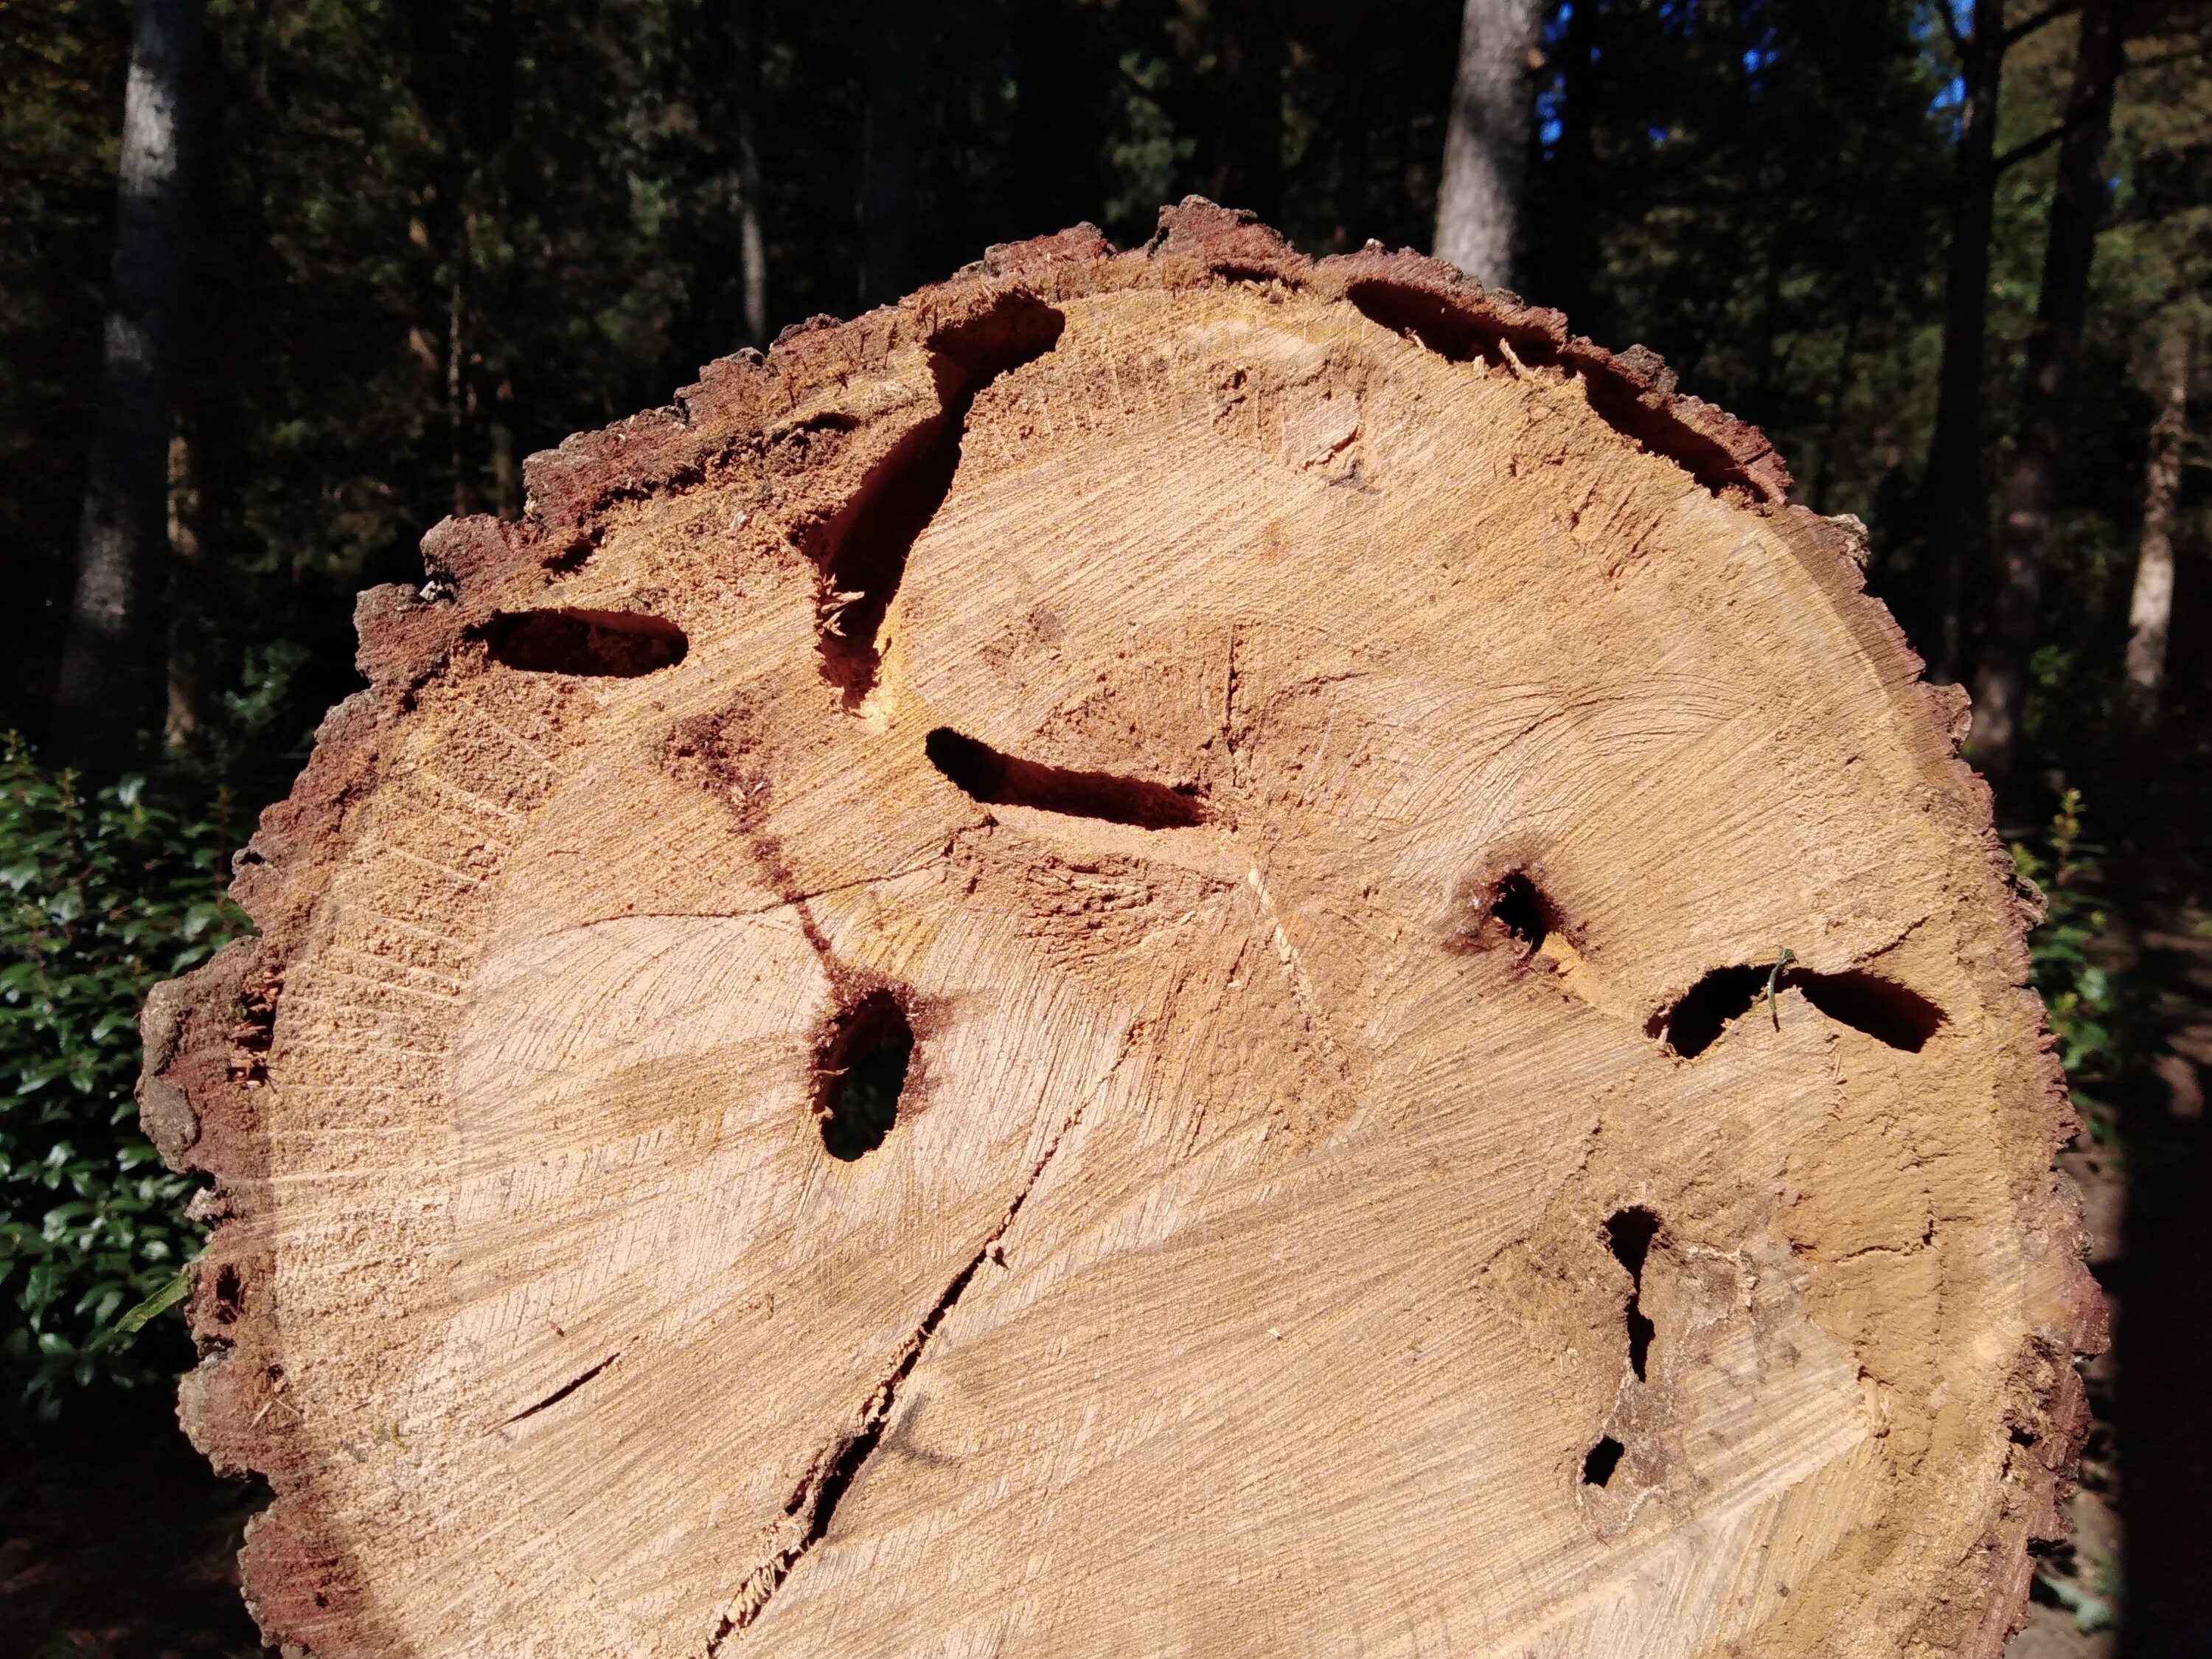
[[1487, 139], [2150, 610], [967, 1038], [2054, 346], [101, 700], [887, 160], [1956, 508]]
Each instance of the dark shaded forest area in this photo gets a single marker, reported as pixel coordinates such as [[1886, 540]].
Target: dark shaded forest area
[[1951, 255]]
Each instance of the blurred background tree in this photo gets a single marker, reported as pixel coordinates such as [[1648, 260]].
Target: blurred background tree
[[425, 239]]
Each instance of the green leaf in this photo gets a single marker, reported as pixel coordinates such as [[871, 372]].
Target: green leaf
[[159, 1302], [98, 898]]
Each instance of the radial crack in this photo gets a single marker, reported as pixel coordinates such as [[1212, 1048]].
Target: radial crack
[[562, 1392], [814, 1501]]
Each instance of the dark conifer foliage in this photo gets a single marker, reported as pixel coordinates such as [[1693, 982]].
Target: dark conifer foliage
[[427, 239]]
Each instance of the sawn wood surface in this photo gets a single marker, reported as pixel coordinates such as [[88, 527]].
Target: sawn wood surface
[[1321, 768]]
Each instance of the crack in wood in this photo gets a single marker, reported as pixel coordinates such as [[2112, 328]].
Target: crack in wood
[[563, 1391], [832, 1471], [755, 911]]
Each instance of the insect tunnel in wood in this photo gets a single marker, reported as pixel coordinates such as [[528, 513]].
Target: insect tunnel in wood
[[1096, 966]]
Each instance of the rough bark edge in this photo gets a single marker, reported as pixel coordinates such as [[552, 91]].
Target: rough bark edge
[[204, 1033], [2047, 1411]]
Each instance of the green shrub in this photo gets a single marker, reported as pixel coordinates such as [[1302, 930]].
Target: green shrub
[[100, 898], [2083, 996]]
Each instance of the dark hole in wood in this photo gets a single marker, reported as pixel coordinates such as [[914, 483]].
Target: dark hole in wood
[[1001, 779], [861, 1071], [1520, 907], [1444, 327], [612, 644], [965, 357], [1886, 1011], [230, 1294], [1620, 407], [1629, 1232], [862, 551], [1447, 330], [1691, 1025], [1603, 1459]]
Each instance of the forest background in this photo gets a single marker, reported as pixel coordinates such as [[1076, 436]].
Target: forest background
[[1952, 256]]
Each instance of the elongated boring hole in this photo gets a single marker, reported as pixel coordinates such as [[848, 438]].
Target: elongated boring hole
[[1886, 1011], [610, 644], [1449, 330], [862, 549], [1629, 1232], [860, 1070], [1690, 1026], [1444, 328], [1003, 780]]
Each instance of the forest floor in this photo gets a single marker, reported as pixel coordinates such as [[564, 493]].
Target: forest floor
[[117, 1541]]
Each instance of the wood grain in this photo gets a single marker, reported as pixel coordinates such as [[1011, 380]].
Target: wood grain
[[1297, 750]]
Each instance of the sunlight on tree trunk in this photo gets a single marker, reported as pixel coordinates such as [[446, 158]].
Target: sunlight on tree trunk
[[98, 705], [2151, 610], [2030, 523], [188, 574], [1487, 139], [1007, 934], [1956, 506], [752, 253]]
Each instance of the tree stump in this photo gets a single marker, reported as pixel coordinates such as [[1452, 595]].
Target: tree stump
[[1168, 952]]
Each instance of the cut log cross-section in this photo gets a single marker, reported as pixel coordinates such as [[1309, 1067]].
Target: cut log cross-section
[[1167, 953]]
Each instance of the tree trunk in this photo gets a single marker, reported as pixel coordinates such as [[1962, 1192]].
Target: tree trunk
[[914, 1019], [752, 248], [2151, 609], [887, 159], [1956, 508], [1487, 138], [101, 699], [457, 401], [186, 678], [2025, 533]]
